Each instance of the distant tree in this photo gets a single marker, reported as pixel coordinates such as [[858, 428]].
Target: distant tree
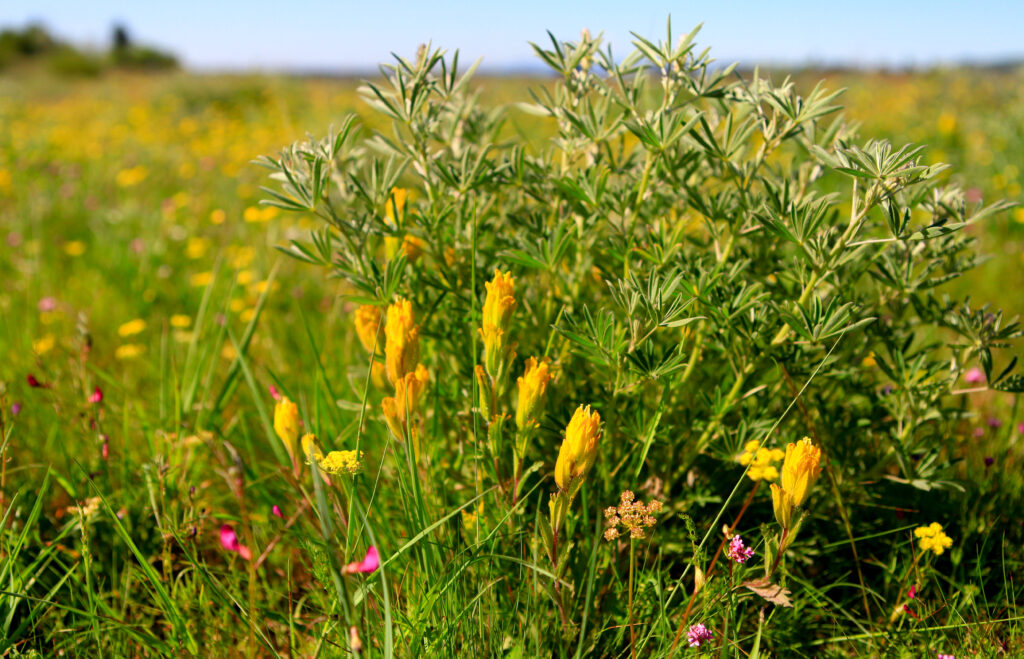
[[122, 40]]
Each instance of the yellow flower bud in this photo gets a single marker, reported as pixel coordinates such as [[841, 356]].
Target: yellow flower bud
[[532, 387], [800, 469], [402, 342], [493, 338], [395, 206], [579, 448], [783, 504], [286, 424], [309, 444], [499, 303], [408, 393], [369, 327]]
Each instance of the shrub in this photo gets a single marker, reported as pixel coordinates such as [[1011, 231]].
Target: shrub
[[711, 262]]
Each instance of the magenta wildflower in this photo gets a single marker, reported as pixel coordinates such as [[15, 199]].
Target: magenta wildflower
[[945, 656], [369, 564], [737, 551], [96, 396], [994, 422], [974, 376], [276, 510], [229, 540], [698, 634], [47, 304], [274, 393]]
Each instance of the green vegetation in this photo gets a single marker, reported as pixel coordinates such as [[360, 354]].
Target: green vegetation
[[718, 265]]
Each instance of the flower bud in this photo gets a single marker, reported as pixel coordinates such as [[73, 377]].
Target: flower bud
[[532, 387], [579, 448], [286, 424], [800, 469], [369, 327], [402, 344], [499, 303]]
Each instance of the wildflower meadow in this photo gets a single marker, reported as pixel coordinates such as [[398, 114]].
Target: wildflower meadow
[[650, 356]]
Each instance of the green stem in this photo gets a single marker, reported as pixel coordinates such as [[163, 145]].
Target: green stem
[[632, 569]]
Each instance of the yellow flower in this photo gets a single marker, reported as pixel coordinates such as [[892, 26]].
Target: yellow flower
[[341, 462], [369, 327], [309, 444], [286, 424], [74, 248], [217, 216], [132, 327], [782, 502], [180, 321], [44, 344], [196, 247], [760, 460], [932, 538], [800, 469], [402, 343], [532, 387], [494, 343], [500, 301], [201, 279], [395, 205], [398, 409], [129, 351], [579, 447]]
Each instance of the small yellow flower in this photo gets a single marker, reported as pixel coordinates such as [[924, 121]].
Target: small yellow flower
[[196, 247], [402, 344], [342, 462], [932, 538], [532, 387], [180, 321], [869, 360], [579, 447], [760, 460], [129, 351], [217, 216], [201, 279], [43, 344], [500, 301], [132, 327], [369, 327], [309, 444], [286, 424], [74, 248]]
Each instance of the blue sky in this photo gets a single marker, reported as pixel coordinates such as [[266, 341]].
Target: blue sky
[[343, 35]]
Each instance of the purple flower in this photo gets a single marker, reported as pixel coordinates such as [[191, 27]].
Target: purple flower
[[989, 461], [737, 551], [994, 422], [1020, 428], [698, 634], [16, 409]]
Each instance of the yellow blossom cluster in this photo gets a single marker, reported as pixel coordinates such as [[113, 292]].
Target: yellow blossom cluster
[[933, 538], [760, 460]]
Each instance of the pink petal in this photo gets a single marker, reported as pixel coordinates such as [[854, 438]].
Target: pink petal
[[229, 540], [97, 396], [277, 511], [369, 564], [274, 393]]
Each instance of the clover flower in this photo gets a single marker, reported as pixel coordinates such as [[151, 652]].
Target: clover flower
[[737, 551], [698, 634], [634, 516], [932, 538]]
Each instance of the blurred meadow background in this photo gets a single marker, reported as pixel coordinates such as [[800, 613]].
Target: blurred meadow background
[[146, 313]]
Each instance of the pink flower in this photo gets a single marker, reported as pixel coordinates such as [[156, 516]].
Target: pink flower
[[974, 376], [229, 540], [16, 409], [96, 396], [47, 304], [912, 593], [276, 510], [698, 634], [369, 564], [946, 656], [737, 551], [274, 393]]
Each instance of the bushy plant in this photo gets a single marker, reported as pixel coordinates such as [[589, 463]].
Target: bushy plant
[[696, 269]]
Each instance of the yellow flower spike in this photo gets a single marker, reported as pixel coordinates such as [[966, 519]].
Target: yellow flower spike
[[579, 448], [402, 343], [341, 462], [493, 338], [782, 502], [369, 327], [800, 469], [390, 409], [500, 301], [532, 387], [379, 375], [286, 424], [399, 408]]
